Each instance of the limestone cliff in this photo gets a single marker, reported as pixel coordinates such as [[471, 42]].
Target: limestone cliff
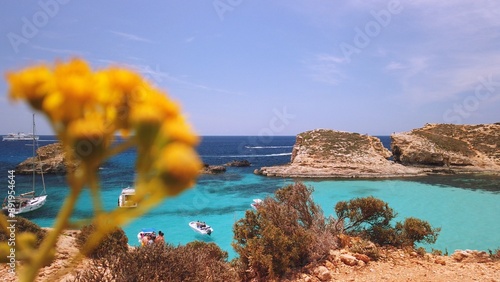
[[48, 159], [434, 148], [450, 146], [330, 153]]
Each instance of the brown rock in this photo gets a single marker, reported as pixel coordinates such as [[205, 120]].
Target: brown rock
[[362, 257], [440, 260], [348, 259], [323, 273]]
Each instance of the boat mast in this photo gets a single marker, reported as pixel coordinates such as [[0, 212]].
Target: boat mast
[[35, 140], [33, 145]]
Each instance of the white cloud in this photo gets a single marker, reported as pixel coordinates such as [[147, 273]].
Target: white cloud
[[325, 68], [129, 36], [395, 66], [58, 51], [428, 80], [157, 76]]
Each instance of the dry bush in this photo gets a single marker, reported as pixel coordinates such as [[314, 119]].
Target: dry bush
[[365, 247], [284, 234], [23, 225], [197, 261], [23, 236], [495, 255], [113, 243]]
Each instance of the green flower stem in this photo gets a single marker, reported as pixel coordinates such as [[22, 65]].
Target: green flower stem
[[95, 190], [30, 272]]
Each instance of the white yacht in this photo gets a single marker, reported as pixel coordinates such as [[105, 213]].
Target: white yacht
[[20, 136], [125, 200]]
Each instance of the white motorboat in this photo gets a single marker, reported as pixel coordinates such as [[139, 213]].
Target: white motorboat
[[20, 136], [256, 203], [25, 202], [126, 198], [201, 227]]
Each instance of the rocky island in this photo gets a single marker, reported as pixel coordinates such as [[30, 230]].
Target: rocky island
[[435, 148], [49, 159]]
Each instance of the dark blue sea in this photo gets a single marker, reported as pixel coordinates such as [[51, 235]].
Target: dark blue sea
[[467, 208]]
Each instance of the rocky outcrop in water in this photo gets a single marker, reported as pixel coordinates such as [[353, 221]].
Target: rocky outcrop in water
[[330, 153], [432, 149], [49, 159], [238, 163], [455, 147], [213, 169]]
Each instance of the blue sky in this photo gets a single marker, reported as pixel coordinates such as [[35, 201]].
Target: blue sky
[[242, 67]]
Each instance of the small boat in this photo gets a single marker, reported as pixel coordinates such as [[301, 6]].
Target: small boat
[[125, 200], [20, 136], [28, 201], [146, 232], [256, 203], [201, 227]]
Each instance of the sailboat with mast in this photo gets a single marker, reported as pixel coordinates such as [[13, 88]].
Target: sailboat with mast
[[27, 202]]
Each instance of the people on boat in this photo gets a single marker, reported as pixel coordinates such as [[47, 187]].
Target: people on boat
[[144, 239], [160, 238], [201, 224]]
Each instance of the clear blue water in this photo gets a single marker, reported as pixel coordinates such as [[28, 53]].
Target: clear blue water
[[467, 208]]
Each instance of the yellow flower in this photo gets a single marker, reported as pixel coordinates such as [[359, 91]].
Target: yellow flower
[[124, 80], [32, 84], [89, 137], [74, 67], [176, 129], [86, 109], [77, 88], [178, 165]]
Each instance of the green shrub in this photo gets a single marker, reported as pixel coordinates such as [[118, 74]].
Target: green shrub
[[197, 262], [370, 218], [415, 230], [360, 215], [113, 243], [24, 225], [28, 235], [283, 234]]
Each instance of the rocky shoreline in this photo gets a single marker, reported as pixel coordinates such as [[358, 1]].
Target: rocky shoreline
[[433, 149], [340, 265]]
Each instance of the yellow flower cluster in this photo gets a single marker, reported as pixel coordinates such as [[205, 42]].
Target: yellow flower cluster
[[88, 108]]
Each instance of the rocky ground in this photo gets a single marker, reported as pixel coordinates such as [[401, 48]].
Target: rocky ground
[[397, 265], [341, 265]]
